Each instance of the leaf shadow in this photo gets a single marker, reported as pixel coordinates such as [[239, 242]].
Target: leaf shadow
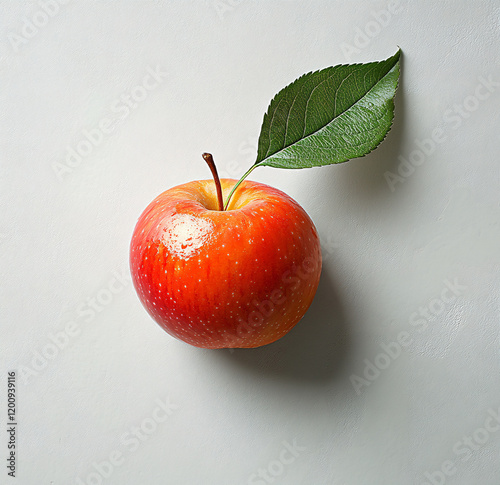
[[365, 176], [313, 352]]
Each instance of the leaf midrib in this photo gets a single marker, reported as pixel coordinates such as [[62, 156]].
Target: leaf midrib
[[355, 145]]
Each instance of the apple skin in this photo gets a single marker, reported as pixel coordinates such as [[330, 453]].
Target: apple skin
[[239, 278]]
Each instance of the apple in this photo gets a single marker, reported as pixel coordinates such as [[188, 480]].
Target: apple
[[226, 263], [235, 278]]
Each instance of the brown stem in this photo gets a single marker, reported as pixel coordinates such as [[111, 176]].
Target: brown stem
[[210, 162]]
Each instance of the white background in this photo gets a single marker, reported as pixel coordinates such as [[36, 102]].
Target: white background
[[388, 248]]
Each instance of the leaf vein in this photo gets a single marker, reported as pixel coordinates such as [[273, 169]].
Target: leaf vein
[[333, 119]]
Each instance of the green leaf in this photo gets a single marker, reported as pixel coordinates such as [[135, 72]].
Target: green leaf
[[329, 116]]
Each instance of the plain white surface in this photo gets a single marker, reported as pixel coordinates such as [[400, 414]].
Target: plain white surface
[[388, 254]]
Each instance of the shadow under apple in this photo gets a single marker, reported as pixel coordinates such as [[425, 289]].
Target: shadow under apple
[[313, 351]]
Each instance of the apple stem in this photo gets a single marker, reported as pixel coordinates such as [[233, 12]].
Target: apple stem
[[210, 162], [237, 185]]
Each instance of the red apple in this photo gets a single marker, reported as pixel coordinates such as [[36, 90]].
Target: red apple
[[241, 277]]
